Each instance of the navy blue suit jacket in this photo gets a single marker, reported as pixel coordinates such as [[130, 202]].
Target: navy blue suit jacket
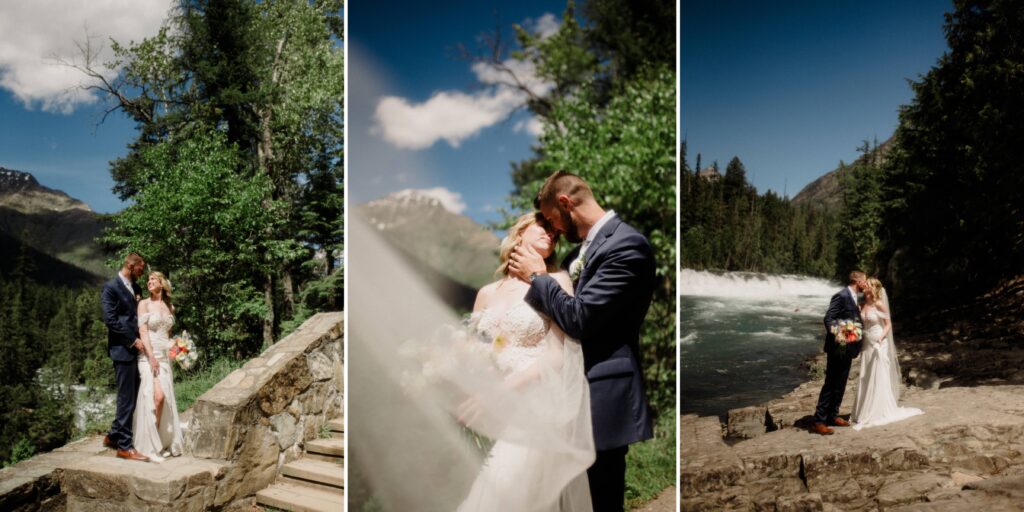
[[121, 315], [843, 306], [612, 295]]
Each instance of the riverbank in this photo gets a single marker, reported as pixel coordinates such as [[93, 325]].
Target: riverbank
[[963, 367]]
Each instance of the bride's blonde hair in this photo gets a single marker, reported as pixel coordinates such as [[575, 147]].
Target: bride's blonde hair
[[165, 287], [515, 237], [876, 289]]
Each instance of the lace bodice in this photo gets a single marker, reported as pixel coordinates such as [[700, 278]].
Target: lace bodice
[[873, 317], [873, 323], [518, 331], [159, 326]]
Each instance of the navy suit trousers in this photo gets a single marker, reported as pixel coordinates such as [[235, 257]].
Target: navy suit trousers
[[127, 375]]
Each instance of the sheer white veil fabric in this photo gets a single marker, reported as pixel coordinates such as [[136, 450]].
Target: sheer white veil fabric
[[896, 380], [406, 448]]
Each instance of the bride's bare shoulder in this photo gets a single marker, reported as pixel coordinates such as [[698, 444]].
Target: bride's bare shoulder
[[483, 296]]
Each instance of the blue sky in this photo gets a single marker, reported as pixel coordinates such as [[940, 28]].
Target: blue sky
[[48, 126], [65, 152], [793, 87], [407, 53]]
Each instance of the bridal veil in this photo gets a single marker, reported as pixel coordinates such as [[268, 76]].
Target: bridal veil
[[410, 367]]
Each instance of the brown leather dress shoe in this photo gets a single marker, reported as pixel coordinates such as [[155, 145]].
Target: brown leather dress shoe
[[839, 422], [108, 443], [132, 454], [820, 428]]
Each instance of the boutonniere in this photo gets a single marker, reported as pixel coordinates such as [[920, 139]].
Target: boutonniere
[[577, 268], [138, 297]]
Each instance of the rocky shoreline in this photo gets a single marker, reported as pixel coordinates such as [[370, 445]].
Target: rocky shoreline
[[965, 453]]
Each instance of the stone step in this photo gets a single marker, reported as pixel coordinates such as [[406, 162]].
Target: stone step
[[300, 498], [337, 426], [319, 474], [331, 447]]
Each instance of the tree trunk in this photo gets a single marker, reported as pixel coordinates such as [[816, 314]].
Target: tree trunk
[[289, 293], [268, 320]]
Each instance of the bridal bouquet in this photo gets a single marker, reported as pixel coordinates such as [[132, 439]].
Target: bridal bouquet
[[847, 331], [183, 350], [446, 353]]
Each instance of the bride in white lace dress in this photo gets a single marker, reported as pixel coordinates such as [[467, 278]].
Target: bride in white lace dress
[[157, 431], [535, 357], [878, 387]]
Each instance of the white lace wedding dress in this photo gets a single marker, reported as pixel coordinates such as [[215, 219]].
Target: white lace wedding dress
[[165, 439], [879, 382], [521, 474]]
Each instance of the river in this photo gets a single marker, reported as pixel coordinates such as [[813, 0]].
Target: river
[[744, 336]]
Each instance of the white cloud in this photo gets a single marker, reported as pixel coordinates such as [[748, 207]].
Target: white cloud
[[533, 126], [545, 26], [35, 35], [454, 116], [451, 201]]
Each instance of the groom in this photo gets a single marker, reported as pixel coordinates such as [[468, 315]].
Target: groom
[[843, 306], [613, 278], [120, 298]]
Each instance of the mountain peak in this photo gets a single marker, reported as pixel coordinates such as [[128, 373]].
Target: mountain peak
[[13, 181], [21, 191]]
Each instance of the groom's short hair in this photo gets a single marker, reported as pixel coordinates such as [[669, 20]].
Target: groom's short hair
[[857, 275], [561, 182], [133, 258]]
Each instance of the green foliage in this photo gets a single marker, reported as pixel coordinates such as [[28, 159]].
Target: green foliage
[[611, 119], [651, 465], [954, 218], [239, 108], [47, 339], [861, 215], [726, 225], [22, 450], [189, 386], [202, 223]]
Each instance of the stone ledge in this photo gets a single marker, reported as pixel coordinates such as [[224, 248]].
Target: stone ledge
[[105, 483], [967, 436], [35, 483], [266, 385]]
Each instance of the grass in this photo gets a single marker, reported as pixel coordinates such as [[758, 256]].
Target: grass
[[188, 389], [651, 465], [816, 371]]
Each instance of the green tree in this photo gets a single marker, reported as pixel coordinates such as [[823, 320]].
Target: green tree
[[954, 217], [268, 75]]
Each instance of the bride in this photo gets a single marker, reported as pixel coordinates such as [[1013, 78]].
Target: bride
[[155, 424], [878, 387], [536, 358]]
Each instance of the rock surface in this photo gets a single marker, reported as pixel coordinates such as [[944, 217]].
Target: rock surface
[[965, 453], [239, 434]]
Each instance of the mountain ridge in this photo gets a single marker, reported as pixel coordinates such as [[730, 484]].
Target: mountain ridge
[[51, 222], [826, 191], [422, 227]]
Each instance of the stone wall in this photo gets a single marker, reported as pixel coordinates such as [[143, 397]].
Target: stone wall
[[238, 435], [258, 418]]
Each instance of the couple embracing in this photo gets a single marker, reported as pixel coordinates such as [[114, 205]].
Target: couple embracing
[[145, 426], [864, 302], [573, 331]]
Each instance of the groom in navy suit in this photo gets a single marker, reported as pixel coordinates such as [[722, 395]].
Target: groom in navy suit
[[843, 306], [120, 299], [613, 279]]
